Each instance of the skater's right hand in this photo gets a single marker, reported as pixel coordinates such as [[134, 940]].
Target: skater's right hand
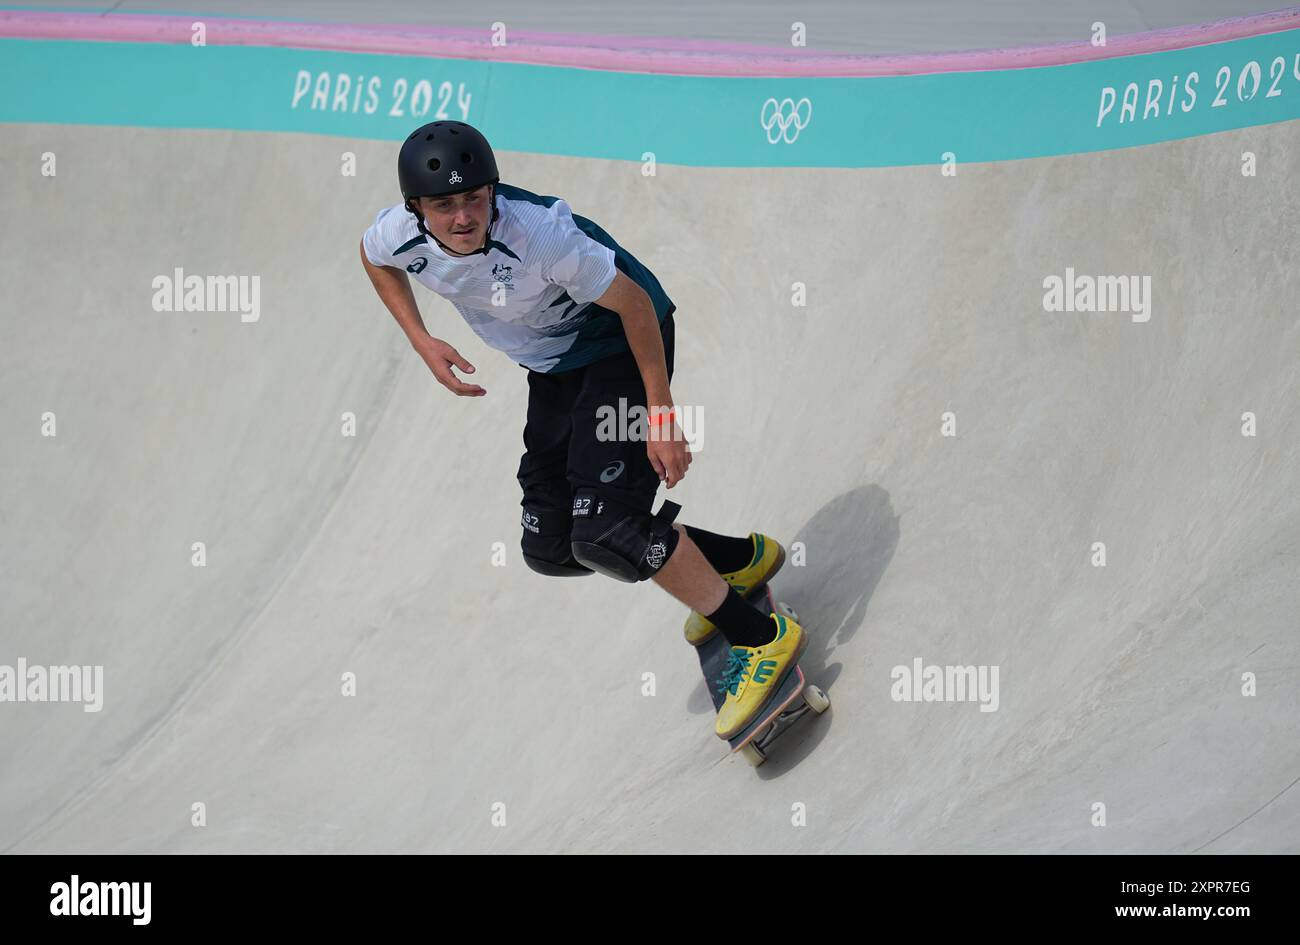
[[441, 358]]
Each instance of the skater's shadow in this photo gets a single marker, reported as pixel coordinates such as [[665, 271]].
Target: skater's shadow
[[833, 565]]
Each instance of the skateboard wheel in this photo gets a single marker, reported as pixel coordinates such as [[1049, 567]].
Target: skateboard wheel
[[816, 699], [787, 611], [753, 754]]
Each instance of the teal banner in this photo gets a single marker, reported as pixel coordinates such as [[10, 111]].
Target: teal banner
[[690, 120]]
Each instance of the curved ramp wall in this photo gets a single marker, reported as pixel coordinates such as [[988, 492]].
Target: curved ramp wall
[[861, 252]]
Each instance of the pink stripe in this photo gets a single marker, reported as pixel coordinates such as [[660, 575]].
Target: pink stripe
[[615, 53]]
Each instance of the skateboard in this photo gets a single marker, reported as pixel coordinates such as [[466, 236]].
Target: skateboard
[[791, 701]]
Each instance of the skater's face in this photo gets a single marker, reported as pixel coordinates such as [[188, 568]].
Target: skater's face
[[459, 221]]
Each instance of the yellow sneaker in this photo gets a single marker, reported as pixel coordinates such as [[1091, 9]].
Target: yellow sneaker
[[767, 560], [755, 673]]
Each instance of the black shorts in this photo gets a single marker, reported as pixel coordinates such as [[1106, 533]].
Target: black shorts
[[562, 451]]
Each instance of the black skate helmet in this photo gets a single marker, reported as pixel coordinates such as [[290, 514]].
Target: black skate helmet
[[444, 158]]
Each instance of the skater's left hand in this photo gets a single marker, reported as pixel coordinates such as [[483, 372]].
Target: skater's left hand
[[669, 453]]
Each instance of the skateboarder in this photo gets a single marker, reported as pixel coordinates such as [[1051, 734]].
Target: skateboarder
[[593, 326]]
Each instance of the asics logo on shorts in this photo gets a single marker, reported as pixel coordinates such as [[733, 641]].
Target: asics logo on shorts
[[610, 473]]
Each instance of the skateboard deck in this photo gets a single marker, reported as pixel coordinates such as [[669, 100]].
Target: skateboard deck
[[793, 698]]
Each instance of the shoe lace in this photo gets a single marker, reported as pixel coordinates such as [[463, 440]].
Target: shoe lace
[[737, 669]]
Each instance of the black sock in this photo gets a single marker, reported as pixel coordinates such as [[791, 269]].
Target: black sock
[[723, 553], [740, 623]]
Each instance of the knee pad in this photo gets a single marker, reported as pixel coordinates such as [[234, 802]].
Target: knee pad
[[619, 541], [546, 543]]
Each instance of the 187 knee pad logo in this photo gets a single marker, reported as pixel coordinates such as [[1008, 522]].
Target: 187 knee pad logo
[[532, 523]]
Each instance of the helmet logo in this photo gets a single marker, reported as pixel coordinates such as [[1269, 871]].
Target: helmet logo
[[455, 178]]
